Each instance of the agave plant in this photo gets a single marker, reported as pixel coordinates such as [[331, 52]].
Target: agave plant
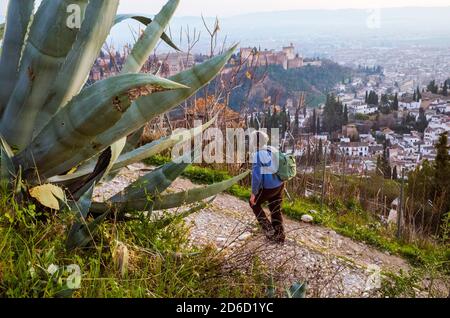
[[60, 138]]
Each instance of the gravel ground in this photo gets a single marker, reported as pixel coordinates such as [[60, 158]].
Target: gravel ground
[[333, 265]]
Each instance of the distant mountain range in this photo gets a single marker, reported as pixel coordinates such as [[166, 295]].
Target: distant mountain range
[[314, 29], [310, 28]]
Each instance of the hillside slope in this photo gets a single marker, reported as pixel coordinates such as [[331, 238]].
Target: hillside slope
[[282, 84], [334, 266]]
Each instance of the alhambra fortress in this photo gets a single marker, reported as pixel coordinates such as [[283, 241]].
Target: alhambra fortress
[[287, 57]]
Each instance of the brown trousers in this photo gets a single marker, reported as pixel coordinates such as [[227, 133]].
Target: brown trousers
[[274, 198]]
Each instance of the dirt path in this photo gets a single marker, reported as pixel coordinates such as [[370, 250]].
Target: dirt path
[[333, 265]]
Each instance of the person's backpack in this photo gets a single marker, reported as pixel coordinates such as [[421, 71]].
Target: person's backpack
[[287, 166]]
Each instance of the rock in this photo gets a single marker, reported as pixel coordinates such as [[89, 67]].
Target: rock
[[313, 212], [332, 233], [307, 218], [244, 236]]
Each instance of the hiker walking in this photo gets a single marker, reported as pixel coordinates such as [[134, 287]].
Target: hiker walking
[[268, 187]]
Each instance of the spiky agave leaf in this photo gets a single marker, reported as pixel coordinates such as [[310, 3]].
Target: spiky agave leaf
[[2, 30], [167, 201], [147, 42], [138, 154], [143, 110], [153, 183], [75, 70], [143, 48], [133, 140], [103, 167], [18, 19], [7, 170], [79, 234], [146, 21], [160, 145], [297, 290], [74, 129], [50, 40], [166, 221]]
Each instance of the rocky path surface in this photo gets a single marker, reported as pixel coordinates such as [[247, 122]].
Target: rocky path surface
[[333, 265]]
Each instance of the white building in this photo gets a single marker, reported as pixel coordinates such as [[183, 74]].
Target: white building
[[363, 109], [411, 139], [432, 135], [354, 149], [410, 106]]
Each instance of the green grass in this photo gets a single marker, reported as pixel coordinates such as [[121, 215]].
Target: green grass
[[160, 264], [353, 222]]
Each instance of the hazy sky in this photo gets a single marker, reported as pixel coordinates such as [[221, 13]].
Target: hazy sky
[[224, 8], [234, 7]]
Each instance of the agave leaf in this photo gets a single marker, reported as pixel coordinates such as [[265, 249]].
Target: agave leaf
[[78, 233], [84, 235], [6, 147], [73, 130], [165, 222], [103, 167], [174, 200], [82, 206], [147, 42], [298, 290], [160, 145], [138, 154], [144, 46], [133, 140], [7, 169], [145, 109], [50, 39], [168, 201], [131, 143], [271, 289], [18, 19], [153, 183], [75, 70], [48, 195], [146, 21], [2, 30]]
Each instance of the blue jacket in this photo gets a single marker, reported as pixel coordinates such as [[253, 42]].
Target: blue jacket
[[264, 172]]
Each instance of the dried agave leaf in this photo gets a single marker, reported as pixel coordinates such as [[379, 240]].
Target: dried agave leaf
[[48, 195]]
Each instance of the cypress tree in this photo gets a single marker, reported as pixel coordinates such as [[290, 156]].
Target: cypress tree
[[442, 166], [395, 103], [394, 173], [345, 114]]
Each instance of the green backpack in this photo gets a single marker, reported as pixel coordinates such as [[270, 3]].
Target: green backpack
[[287, 166]]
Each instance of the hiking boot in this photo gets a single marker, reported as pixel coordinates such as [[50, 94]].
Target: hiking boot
[[266, 226], [279, 238], [269, 233]]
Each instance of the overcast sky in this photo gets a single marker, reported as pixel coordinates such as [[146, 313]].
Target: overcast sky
[[224, 8]]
